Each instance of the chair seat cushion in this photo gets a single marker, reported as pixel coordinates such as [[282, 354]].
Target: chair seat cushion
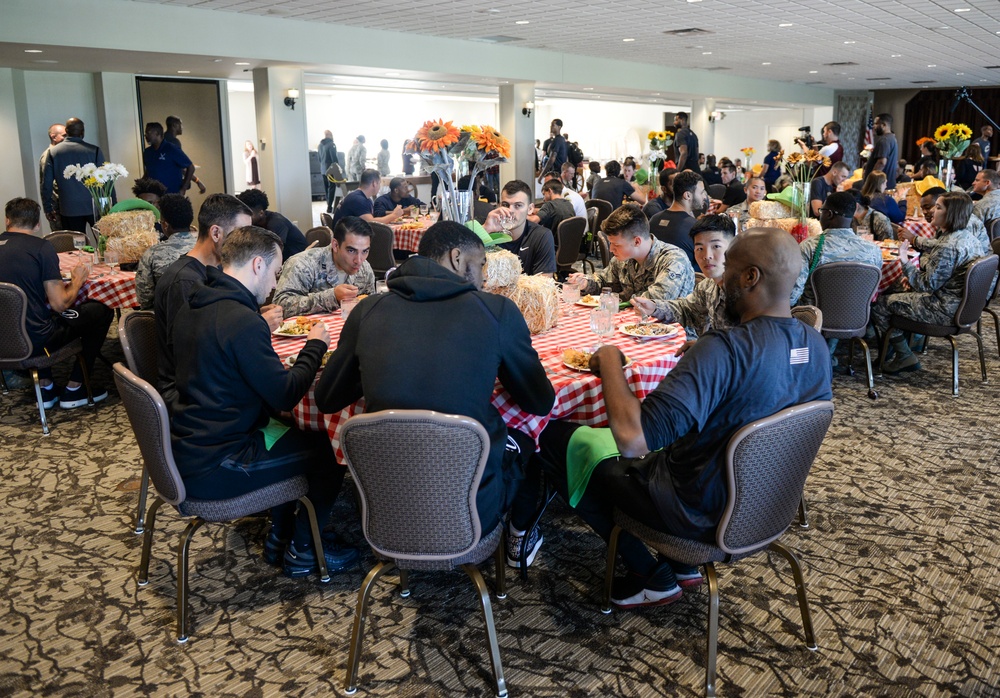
[[689, 552], [486, 546], [908, 325], [217, 510], [44, 361]]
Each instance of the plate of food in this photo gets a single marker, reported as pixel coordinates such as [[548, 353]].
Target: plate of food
[[589, 301], [290, 361], [649, 330], [295, 327], [413, 225], [579, 359]]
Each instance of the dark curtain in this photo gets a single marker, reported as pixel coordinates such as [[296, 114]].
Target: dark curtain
[[931, 108]]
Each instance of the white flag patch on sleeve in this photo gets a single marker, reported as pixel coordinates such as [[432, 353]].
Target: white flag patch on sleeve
[[799, 356]]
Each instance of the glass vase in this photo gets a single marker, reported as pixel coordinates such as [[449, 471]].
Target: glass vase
[[948, 173]]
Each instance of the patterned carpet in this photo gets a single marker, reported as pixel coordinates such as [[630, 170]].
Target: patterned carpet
[[900, 561]]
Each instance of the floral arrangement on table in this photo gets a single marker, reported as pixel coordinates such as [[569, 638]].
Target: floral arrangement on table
[[442, 145], [99, 181], [801, 167], [748, 154], [952, 139], [926, 139], [659, 141]]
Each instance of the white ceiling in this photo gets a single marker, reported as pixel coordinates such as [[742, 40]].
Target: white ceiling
[[912, 44]]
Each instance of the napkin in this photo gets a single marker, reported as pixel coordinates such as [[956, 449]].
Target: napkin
[[272, 432], [588, 446], [487, 238]]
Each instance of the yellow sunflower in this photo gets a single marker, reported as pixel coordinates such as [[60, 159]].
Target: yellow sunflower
[[652, 134], [662, 135], [436, 135], [795, 158], [488, 139], [942, 132], [668, 133], [964, 131]]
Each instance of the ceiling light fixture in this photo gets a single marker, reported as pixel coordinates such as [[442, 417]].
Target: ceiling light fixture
[[786, 24], [291, 96], [243, 63], [706, 53], [765, 63], [932, 65], [522, 21], [392, 75], [587, 89], [813, 72], [183, 72], [850, 42], [963, 9], [33, 50], [627, 40], [896, 55]]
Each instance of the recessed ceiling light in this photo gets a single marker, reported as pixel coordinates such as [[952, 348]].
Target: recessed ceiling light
[[183, 72], [765, 63], [896, 55], [932, 65], [494, 10], [963, 9], [813, 72], [850, 42], [392, 75], [44, 60], [706, 53], [33, 50], [243, 63], [627, 40], [943, 28], [522, 21], [587, 89], [786, 24], [959, 73], [694, 0], [850, 78], [217, 60]]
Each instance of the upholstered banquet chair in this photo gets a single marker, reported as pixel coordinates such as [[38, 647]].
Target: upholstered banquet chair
[[418, 473], [319, 236], [63, 240], [137, 332], [767, 462], [380, 258], [569, 234], [148, 416]]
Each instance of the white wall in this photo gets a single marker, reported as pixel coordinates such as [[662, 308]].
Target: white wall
[[242, 128], [392, 116], [754, 128], [12, 174]]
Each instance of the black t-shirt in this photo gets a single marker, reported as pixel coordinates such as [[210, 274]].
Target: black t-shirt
[[818, 191], [885, 147], [674, 227], [292, 239], [613, 190], [735, 194], [354, 204], [685, 136], [28, 262]]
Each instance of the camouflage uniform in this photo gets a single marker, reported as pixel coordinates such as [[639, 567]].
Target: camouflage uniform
[[988, 207], [937, 286], [879, 225], [665, 274], [976, 227], [841, 245], [309, 278], [701, 311], [155, 261]]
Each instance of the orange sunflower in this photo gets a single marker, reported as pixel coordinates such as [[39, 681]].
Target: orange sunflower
[[436, 135], [488, 139]]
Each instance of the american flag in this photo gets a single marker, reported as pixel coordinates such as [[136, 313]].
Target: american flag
[[870, 127]]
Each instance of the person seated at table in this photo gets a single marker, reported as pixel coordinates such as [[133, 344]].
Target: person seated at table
[[359, 202], [532, 243], [554, 209], [176, 216], [926, 167], [614, 189], [666, 198], [481, 189], [874, 189], [593, 178], [218, 216], [662, 460], [937, 285], [437, 341], [690, 201], [866, 216], [398, 195], [837, 243], [822, 187], [292, 239], [52, 321], [231, 383], [703, 309], [922, 244], [317, 280], [735, 193], [149, 190], [642, 266], [756, 190], [987, 185]]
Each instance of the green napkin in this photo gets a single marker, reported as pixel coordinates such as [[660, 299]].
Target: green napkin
[[588, 446], [272, 432], [624, 305], [487, 238]]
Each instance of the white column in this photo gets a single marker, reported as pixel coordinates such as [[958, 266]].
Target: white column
[[519, 130], [118, 129], [700, 109], [283, 144], [19, 176]]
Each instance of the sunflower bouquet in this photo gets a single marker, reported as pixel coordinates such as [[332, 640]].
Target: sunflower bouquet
[[952, 139], [484, 148], [658, 142], [99, 181], [801, 167]]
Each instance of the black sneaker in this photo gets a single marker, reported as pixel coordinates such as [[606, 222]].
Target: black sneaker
[[50, 395], [301, 563], [687, 577], [274, 549], [71, 399], [636, 591], [535, 539]]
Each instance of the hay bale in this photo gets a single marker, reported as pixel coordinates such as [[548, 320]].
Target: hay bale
[[130, 247], [537, 299], [126, 223], [770, 210], [502, 271], [786, 224]]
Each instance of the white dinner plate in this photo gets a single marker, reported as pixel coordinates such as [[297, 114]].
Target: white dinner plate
[[585, 304], [671, 330], [628, 362]]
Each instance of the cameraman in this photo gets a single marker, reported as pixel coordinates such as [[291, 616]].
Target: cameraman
[[806, 140]]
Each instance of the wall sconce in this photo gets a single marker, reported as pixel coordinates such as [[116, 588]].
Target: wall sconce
[[716, 116], [290, 99], [528, 106]]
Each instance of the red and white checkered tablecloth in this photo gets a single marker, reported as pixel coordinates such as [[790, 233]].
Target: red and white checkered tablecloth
[[409, 240], [113, 290], [892, 269], [578, 394]]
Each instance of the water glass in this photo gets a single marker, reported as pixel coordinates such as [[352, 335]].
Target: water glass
[[570, 293], [602, 321], [347, 305], [111, 259], [865, 233], [381, 287]]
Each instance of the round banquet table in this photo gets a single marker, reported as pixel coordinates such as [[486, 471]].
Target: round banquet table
[[115, 290]]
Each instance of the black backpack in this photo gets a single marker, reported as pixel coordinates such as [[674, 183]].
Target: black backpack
[[574, 154]]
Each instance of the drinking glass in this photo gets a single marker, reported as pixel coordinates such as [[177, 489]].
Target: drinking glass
[[570, 293], [602, 322], [78, 244], [865, 233], [347, 305], [381, 287], [111, 259]]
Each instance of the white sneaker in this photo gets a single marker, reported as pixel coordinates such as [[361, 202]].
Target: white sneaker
[[514, 547]]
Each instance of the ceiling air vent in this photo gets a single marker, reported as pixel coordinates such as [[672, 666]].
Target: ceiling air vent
[[690, 31], [922, 82], [814, 82], [876, 79], [993, 67], [841, 63], [497, 39], [718, 67]]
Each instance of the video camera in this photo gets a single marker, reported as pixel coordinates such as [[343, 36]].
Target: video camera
[[806, 140]]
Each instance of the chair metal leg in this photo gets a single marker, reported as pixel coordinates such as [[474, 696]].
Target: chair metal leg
[[6, 390], [885, 348], [850, 356], [500, 563], [800, 590], [182, 578], [404, 583], [324, 575], [38, 399], [982, 356], [609, 572], [868, 366], [954, 366], [713, 629], [141, 509], [491, 631], [147, 542], [996, 323], [364, 595], [803, 513]]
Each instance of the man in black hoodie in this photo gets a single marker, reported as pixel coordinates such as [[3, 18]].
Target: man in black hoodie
[[230, 383], [438, 342]]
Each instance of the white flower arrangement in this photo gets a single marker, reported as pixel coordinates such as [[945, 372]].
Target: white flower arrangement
[[99, 181]]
